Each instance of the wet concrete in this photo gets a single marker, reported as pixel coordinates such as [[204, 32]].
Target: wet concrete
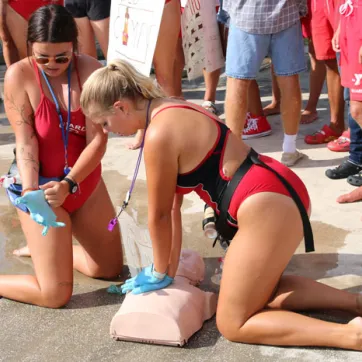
[[80, 331]]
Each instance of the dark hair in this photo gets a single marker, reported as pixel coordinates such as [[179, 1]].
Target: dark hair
[[52, 24]]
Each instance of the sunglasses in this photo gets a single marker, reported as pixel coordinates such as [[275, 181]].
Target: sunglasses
[[59, 59]]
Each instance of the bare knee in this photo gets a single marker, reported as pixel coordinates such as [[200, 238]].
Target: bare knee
[[232, 330], [356, 112], [58, 296], [110, 271]]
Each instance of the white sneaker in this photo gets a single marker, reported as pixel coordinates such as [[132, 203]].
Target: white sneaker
[[291, 158]]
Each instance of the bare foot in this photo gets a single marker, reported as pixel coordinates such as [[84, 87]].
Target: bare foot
[[137, 142], [24, 251], [308, 117], [356, 324], [271, 109], [353, 196]]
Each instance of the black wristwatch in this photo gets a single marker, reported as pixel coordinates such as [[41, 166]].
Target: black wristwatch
[[73, 186]]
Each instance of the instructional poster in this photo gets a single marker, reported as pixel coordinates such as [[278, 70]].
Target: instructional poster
[[133, 32], [201, 38]]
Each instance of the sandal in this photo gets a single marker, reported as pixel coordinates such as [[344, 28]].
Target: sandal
[[341, 144], [211, 107], [355, 180], [325, 135], [344, 170]]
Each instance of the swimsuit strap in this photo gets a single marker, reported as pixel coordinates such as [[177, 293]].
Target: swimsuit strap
[[37, 74], [77, 71]]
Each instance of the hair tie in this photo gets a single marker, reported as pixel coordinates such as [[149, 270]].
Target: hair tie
[[112, 67]]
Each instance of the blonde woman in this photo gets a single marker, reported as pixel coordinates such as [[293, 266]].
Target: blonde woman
[[188, 149]]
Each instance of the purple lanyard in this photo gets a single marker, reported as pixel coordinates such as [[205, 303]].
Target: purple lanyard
[[114, 221]]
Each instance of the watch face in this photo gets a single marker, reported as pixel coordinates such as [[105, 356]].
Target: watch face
[[74, 189]]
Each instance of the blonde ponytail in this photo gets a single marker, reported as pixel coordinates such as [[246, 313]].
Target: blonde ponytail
[[117, 80]]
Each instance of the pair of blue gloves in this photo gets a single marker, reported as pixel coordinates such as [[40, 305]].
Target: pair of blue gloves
[[40, 210], [146, 281]]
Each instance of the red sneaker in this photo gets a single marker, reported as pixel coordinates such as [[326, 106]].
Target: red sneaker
[[256, 126], [342, 143], [325, 135]]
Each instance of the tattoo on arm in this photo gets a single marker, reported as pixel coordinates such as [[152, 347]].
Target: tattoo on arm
[[27, 120], [28, 159]]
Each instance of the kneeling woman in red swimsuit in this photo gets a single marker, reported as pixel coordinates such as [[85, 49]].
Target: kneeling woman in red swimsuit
[[54, 140], [257, 303]]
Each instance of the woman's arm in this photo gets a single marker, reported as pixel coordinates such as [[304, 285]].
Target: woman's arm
[[161, 159], [96, 138], [10, 52], [21, 117], [176, 235], [92, 155]]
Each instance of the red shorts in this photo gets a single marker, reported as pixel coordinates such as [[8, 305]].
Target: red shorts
[[322, 28], [26, 7], [305, 21], [350, 43], [259, 179]]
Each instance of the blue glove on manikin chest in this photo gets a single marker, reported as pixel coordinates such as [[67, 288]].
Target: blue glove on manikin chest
[[39, 209], [146, 281]]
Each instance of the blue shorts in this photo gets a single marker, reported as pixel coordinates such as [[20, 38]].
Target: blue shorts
[[14, 191], [246, 52]]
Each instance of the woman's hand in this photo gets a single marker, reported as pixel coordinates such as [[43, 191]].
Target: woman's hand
[[55, 192]]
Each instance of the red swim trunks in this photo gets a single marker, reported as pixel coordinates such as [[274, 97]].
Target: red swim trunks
[[26, 7], [350, 43], [322, 22]]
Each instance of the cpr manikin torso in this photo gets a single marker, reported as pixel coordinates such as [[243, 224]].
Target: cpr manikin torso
[[168, 316]]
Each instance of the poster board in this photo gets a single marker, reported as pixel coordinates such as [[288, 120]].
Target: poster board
[[201, 38], [133, 31]]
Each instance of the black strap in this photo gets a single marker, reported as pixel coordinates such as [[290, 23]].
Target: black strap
[[253, 158]]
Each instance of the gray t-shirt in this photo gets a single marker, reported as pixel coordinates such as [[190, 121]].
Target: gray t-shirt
[[265, 16]]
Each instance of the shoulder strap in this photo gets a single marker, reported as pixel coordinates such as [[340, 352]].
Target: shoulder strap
[[75, 57], [37, 75], [228, 232]]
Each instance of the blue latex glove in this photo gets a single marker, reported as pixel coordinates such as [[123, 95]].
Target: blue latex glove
[[146, 281], [40, 211]]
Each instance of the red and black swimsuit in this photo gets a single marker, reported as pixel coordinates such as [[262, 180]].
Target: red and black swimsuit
[[209, 181]]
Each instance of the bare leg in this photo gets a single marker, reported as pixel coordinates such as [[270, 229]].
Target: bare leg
[[18, 28], [178, 68], [164, 57], [274, 106], [10, 52], [52, 257], [253, 265], [211, 82], [100, 253], [291, 100], [236, 104], [86, 38], [335, 95], [101, 31], [254, 103], [317, 77]]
